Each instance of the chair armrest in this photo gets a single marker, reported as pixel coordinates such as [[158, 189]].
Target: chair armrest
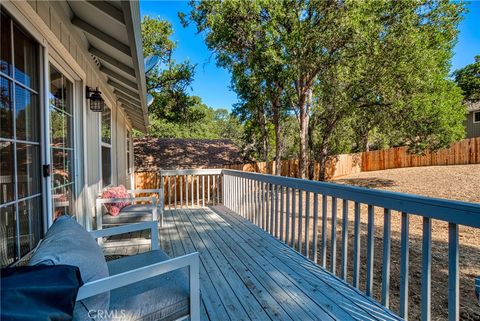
[[125, 278], [122, 229], [144, 191], [154, 200]]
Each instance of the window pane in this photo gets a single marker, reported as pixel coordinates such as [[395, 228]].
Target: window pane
[[28, 170], [6, 109], [25, 57], [27, 121], [29, 214], [106, 166], [106, 126], [62, 201], [6, 172], [61, 167], [8, 242], [6, 45]]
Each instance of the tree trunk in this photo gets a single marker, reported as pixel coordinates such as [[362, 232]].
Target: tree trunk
[[278, 136], [322, 160], [266, 143], [304, 115]]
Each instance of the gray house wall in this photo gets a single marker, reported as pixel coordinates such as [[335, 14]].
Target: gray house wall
[[472, 129]]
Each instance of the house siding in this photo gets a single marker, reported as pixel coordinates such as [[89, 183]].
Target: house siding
[[473, 129], [56, 18]]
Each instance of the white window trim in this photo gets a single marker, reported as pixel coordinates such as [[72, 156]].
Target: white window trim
[[103, 144], [473, 117]]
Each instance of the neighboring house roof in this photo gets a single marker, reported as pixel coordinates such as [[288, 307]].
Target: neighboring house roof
[[166, 153], [473, 106], [112, 32]]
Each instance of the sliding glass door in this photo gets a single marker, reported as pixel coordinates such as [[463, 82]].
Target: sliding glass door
[[21, 219]]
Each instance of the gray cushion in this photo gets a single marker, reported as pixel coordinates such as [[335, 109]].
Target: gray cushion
[[164, 297], [130, 214], [67, 242]]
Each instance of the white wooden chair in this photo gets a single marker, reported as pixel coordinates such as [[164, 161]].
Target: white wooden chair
[[133, 213], [112, 282]]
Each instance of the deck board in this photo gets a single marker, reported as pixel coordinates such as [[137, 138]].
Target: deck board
[[246, 274]]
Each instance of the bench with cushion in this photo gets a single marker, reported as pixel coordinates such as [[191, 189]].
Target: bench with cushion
[[128, 207], [147, 286]]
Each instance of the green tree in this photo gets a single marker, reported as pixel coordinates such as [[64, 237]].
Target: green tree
[[468, 78], [348, 68]]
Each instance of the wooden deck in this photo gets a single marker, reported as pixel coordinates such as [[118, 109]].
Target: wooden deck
[[246, 274]]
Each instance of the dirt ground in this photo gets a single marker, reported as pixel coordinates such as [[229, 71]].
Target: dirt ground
[[461, 182]]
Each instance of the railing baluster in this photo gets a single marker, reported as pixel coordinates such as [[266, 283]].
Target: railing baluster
[[198, 191], [307, 224], [262, 204], [272, 209], [208, 190], [315, 228], [181, 191], [300, 219], [175, 191], [344, 239], [277, 202], [257, 204], [404, 266], [203, 190], [252, 201], [287, 214], [169, 192], [426, 268], [282, 214], [294, 196], [370, 249], [193, 182], [324, 231], [356, 247], [186, 191], [267, 207], [386, 257], [453, 283], [333, 248]]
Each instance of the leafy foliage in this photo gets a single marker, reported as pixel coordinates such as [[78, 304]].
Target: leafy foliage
[[174, 113], [468, 78], [350, 71]]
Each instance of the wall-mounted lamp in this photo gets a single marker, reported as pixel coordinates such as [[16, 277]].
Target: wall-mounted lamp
[[97, 104]]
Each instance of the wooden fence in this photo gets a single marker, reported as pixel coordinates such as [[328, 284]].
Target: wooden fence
[[466, 151]]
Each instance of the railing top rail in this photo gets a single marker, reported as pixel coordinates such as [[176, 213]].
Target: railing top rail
[[179, 172], [441, 209]]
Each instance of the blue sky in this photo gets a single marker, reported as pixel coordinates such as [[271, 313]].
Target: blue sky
[[212, 83]]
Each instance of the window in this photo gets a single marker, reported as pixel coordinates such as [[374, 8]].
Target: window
[[129, 144], [21, 220], [476, 117], [61, 143], [106, 146]]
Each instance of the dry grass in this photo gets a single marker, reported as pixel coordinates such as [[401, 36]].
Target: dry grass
[[460, 182]]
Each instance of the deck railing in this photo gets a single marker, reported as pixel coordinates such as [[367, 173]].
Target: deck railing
[[296, 212]]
